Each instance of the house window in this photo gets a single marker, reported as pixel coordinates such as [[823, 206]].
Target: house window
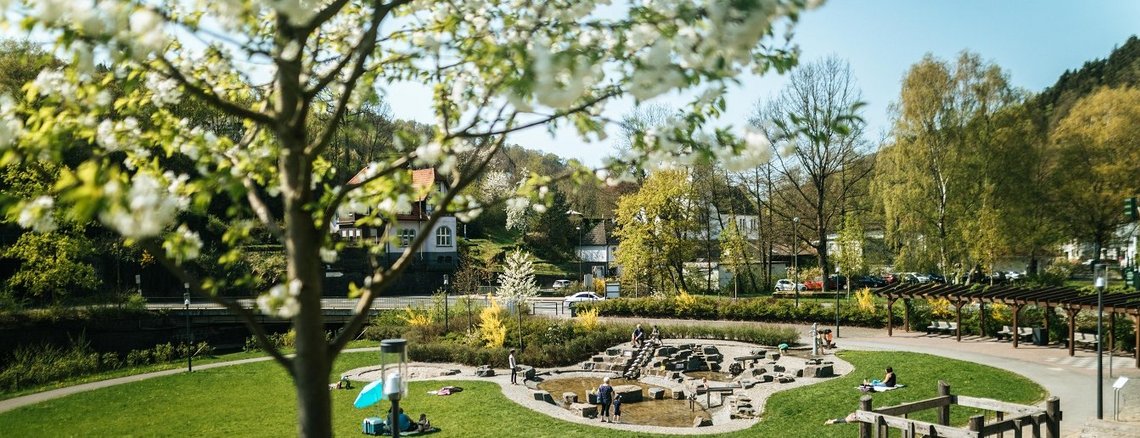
[[407, 235], [443, 236]]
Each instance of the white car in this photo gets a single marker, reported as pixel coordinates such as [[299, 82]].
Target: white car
[[582, 296], [561, 284], [787, 285]]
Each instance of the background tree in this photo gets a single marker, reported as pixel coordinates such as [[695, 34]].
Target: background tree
[[516, 283], [655, 228], [927, 177], [814, 121], [494, 68], [1098, 145]]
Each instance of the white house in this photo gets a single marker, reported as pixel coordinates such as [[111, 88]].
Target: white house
[[440, 248]]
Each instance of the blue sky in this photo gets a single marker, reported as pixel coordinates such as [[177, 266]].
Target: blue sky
[[1034, 41]]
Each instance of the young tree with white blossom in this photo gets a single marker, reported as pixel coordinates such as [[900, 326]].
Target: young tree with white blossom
[[516, 283], [493, 67]]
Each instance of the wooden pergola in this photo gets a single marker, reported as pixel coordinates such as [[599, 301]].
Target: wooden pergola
[[1071, 300]]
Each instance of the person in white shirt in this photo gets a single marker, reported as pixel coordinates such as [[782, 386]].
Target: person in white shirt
[[514, 367]]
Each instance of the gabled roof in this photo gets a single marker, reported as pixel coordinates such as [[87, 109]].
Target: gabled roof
[[423, 181]]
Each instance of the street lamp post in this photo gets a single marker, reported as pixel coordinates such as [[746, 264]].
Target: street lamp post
[[393, 366], [1101, 274], [578, 229], [796, 257], [837, 299], [189, 334], [446, 298]]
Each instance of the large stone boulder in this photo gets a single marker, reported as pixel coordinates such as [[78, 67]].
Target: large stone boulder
[[827, 370], [527, 372], [484, 371], [701, 422], [629, 393], [678, 394], [656, 393], [544, 396], [569, 398], [584, 410]]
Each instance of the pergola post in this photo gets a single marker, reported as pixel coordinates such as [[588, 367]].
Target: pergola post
[[890, 319], [1136, 329], [958, 322], [982, 318], [1072, 312], [1111, 333], [1045, 316], [1016, 335], [865, 428], [906, 314]]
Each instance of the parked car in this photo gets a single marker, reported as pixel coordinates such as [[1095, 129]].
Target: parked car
[[787, 285], [1015, 276], [581, 296], [814, 284], [836, 282], [868, 281], [914, 277], [561, 284], [892, 278], [936, 278]]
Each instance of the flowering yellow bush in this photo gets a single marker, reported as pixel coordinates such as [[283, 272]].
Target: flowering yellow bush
[[491, 325], [999, 312], [600, 286], [940, 307], [866, 300], [416, 317], [685, 301], [588, 319]]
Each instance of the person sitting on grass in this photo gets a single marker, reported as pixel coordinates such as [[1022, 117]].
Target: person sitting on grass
[[888, 381], [424, 424], [850, 418]]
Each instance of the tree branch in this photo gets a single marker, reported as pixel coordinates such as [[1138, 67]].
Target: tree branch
[[228, 107], [347, 188], [242, 313]]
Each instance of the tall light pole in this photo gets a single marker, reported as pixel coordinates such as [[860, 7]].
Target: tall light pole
[[189, 334], [1101, 274], [796, 257], [578, 229], [837, 299]]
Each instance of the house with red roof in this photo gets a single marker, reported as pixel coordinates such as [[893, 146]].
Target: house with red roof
[[439, 251]]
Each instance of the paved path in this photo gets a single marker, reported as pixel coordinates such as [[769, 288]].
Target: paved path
[[1073, 379]]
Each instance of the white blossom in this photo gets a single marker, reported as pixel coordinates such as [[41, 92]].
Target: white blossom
[[164, 91], [148, 206], [11, 126], [37, 215], [183, 244], [281, 300]]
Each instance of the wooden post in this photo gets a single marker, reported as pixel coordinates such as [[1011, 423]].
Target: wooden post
[[890, 319], [1072, 312], [1136, 328], [977, 422], [1053, 417], [958, 322], [1016, 335], [999, 416], [944, 412], [906, 315], [982, 318], [865, 428], [1111, 334]]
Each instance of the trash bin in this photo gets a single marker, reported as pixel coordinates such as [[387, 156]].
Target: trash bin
[[1040, 336]]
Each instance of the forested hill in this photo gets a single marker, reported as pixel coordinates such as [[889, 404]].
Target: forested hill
[[1120, 68]]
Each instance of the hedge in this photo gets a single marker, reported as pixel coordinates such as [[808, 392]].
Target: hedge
[[745, 309]]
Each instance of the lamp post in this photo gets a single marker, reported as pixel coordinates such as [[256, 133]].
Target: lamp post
[[837, 299], [578, 229], [394, 365], [189, 334], [446, 298], [796, 257], [1101, 274]]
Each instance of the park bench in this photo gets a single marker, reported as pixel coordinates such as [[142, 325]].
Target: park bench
[[1025, 333], [1087, 339], [1006, 331], [942, 327]]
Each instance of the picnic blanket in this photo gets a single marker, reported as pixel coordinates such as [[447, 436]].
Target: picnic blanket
[[878, 388], [446, 390]]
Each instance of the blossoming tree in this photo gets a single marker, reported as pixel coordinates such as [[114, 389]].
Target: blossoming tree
[[288, 71]]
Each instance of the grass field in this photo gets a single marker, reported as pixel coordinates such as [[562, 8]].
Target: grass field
[[258, 400]]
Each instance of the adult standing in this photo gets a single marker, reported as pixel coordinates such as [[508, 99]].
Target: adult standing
[[514, 367], [605, 395]]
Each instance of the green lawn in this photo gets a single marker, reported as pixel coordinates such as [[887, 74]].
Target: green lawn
[[257, 400]]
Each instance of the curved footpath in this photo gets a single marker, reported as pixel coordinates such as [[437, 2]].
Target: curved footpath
[[1072, 379]]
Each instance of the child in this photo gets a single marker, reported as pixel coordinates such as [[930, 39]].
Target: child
[[617, 408], [424, 424]]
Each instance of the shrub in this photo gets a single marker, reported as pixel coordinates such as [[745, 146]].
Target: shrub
[[747, 309], [588, 319], [491, 327]]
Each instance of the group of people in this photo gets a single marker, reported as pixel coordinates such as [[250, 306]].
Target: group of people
[[638, 336], [608, 398], [406, 424]]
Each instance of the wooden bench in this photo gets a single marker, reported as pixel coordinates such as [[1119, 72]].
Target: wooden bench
[[1025, 333], [942, 327], [1006, 331], [1087, 339]]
